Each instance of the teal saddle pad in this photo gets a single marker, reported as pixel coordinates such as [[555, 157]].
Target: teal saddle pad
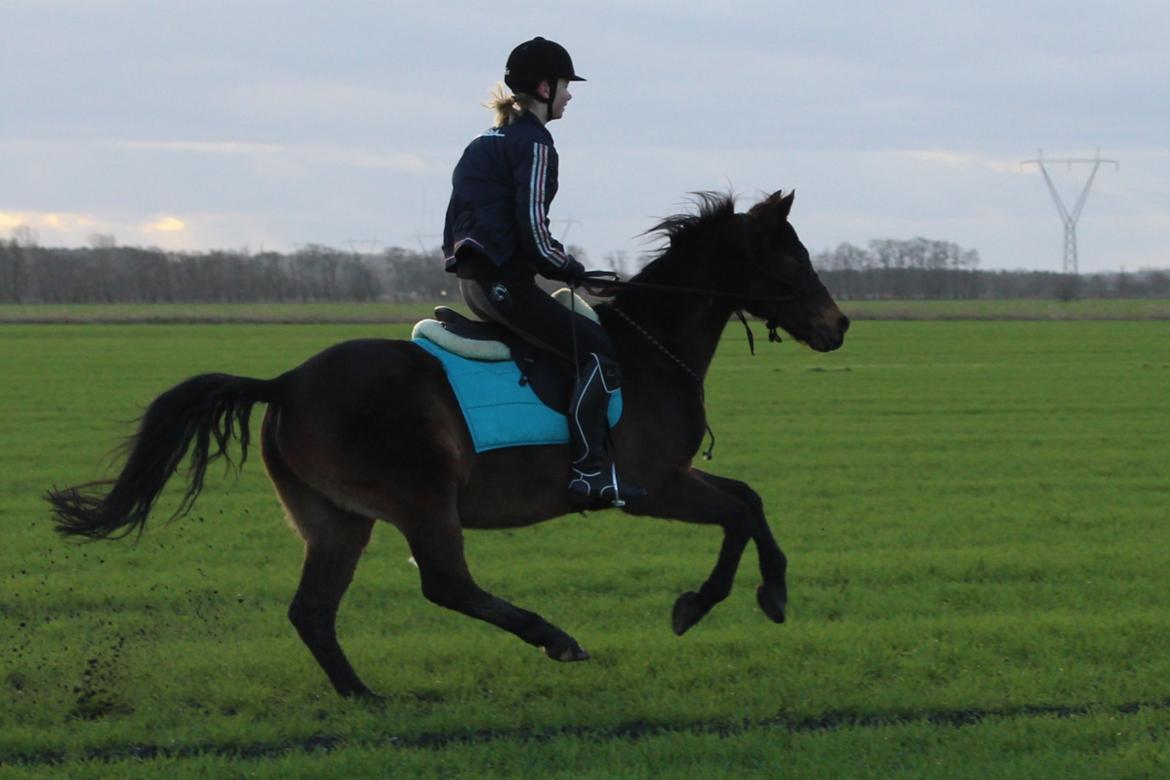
[[501, 412]]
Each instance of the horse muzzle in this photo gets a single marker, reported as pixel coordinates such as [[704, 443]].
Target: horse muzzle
[[829, 333]]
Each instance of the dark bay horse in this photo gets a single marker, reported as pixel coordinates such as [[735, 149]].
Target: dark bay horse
[[370, 429]]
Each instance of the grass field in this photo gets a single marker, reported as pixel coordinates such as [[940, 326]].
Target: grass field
[[976, 516], [216, 313], [179, 313]]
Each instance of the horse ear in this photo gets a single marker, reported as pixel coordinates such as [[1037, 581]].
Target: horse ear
[[783, 202], [775, 207]]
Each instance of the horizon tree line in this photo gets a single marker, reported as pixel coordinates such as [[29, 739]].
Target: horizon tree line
[[107, 273]]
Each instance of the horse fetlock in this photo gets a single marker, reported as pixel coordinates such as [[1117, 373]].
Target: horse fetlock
[[773, 600]]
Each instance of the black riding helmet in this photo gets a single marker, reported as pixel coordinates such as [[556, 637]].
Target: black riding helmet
[[535, 61]]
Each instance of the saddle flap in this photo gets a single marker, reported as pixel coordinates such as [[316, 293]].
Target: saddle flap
[[502, 411]]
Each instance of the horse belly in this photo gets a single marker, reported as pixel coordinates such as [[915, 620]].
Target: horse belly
[[516, 487]]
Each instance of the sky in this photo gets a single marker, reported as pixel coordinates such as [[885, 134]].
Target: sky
[[271, 125]]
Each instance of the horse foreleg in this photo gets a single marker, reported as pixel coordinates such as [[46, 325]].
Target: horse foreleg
[[692, 497], [772, 593], [446, 581]]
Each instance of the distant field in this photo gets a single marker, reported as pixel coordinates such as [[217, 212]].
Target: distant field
[[1029, 309], [189, 313], [165, 313], [977, 516]]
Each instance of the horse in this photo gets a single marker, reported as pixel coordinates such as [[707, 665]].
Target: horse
[[370, 429]]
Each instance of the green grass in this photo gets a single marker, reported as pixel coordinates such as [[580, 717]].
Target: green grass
[[1086, 746], [975, 515], [1012, 309], [172, 313]]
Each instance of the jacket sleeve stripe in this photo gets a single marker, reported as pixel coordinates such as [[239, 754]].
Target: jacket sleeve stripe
[[536, 191]]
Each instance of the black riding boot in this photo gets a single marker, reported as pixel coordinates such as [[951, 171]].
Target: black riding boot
[[593, 481]]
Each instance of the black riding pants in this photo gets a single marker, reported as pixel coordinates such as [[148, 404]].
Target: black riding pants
[[516, 302]]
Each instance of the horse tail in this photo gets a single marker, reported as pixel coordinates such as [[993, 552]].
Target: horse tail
[[206, 411]]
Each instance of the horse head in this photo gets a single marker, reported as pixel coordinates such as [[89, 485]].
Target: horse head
[[781, 285]]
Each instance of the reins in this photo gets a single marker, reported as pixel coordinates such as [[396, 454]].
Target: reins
[[709, 453], [609, 279], [599, 279]]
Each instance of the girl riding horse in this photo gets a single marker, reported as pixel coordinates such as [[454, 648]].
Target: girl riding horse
[[496, 239]]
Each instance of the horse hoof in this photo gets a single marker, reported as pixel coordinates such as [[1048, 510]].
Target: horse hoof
[[687, 611], [573, 652], [772, 600]]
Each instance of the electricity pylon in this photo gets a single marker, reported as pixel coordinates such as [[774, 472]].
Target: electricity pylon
[[1069, 218]]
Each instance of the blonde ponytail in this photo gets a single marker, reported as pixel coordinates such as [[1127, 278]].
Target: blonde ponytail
[[506, 106]]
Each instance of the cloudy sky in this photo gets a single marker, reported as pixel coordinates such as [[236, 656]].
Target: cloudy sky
[[275, 124]]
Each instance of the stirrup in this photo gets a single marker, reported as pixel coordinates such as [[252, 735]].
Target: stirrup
[[600, 487]]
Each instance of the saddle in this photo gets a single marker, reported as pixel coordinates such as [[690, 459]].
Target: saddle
[[550, 376]]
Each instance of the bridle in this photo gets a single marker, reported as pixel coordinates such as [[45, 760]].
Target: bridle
[[600, 279]]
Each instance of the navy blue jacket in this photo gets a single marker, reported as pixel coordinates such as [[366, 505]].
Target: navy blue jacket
[[501, 191]]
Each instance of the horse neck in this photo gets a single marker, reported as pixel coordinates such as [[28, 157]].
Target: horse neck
[[685, 325]]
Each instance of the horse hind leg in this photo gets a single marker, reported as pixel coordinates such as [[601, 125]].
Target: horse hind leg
[[437, 547], [334, 541], [327, 572]]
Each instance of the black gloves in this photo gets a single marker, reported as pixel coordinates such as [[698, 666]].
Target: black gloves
[[573, 272]]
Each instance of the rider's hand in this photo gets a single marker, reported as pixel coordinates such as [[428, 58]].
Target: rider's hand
[[573, 272]]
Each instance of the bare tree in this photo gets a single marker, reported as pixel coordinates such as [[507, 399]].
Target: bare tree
[[25, 235]]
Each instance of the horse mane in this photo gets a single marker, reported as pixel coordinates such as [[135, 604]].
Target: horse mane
[[711, 207], [711, 210]]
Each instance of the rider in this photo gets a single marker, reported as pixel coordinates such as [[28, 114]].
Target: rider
[[496, 239]]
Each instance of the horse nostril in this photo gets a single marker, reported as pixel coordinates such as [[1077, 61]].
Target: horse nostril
[[843, 323]]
